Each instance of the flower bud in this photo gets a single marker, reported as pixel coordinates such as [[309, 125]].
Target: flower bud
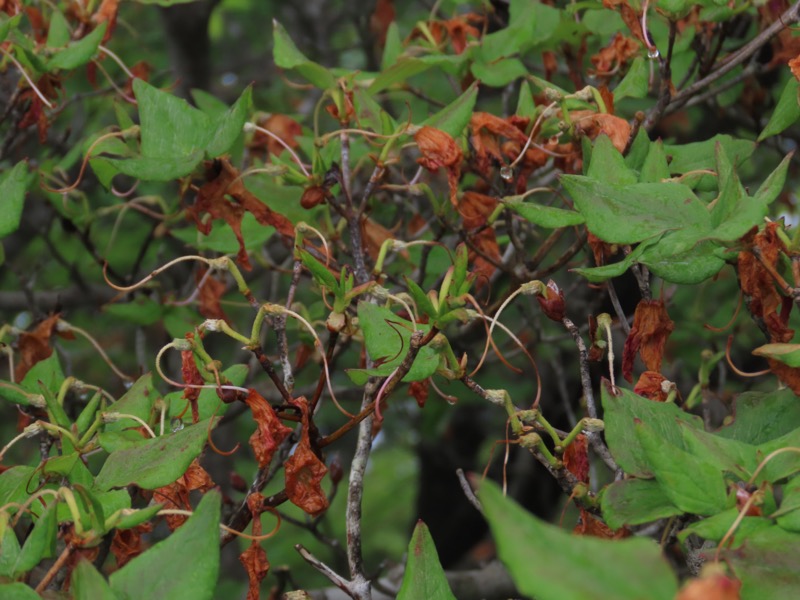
[[552, 302]]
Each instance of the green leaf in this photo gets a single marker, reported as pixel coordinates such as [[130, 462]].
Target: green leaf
[[13, 184], [287, 56], [222, 239], [454, 117], [78, 53], [548, 217], [619, 413], [58, 34], [781, 465], [760, 417], [185, 566], [772, 186], [208, 402], [525, 104], [9, 548], [690, 482], [141, 310], [766, 564], [726, 454], [600, 274], [626, 214], [137, 401], [48, 372], [89, 584], [607, 164], [41, 542], [421, 299], [18, 591], [133, 518], [634, 84], [639, 150], [655, 168], [634, 502], [400, 72], [682, 258], [389, 344], [548, 563], [155, 462], [714, 528], [228, 126], [9, 24], [733, 212], [786, 113], [790, 505], [788, 354], [702, 155], [318, 271], [392, 48], [424, 576], [14, 483], [499, 73]]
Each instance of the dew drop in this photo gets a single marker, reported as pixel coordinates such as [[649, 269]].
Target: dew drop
[[128, 384], [507, 173], [451, 400], [653, 53], [176, 424]]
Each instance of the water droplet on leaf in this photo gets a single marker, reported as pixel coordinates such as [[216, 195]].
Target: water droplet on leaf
[[507, 173], [653, 53], [176, 424]]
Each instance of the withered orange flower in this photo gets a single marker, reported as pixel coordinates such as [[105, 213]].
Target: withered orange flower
[[270, 431], [304, 471], [716, 586], [440, 151], [649, 333], [649, 386]]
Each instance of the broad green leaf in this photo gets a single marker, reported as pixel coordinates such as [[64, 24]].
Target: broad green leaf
[[714, 528], [58, 34], [788, 354], [545, 216], [655, 168], [388, 338], [499, 73], [626, 214], [783, 464], [619, 413], [287, 56], [18, 591], [682, 258], [208, 402], [600, 274], [766, 564], [734, 213], [773, 185], [151, 168], [786, 113], [9, 547], [702, 156], [454, 117], [13, 184], [392, 48], [89, 584], [548, 563], [790, 506], [227, 127], [78, 53], [9, 24], [424, 576], [398, 73], [137, 401], [760, 417], [14, 484], [725, 454], [185, 566], [155, 462], [639, 150], [635, 502], [607, 164], [41, 542], [141, 310], [634, 84], [690, 482], [48, 372]]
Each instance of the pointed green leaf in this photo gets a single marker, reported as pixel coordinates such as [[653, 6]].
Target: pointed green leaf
[[18, 591], [137, 401], [548, 217], [635, 502], [548, 563], [638, 150], [392, 48], [400, 72], [500, 72], [155, 462], [714, 528], [684, 257], [78, 53], [788, 354], [318, 271], [618, 415], [786, 113], [185, 566], [13, 184], [626, 214], [760, 417], [287, 56], [89, 584], [228, 126], [634, 84], [58, 34], [454, 117], [607, 164], [9, 548], [151, 168], [690, 482], [773, 185], [655, 168], [424, 576], [9, 24], [600, 274], [525, 104], [424, 304], [41, 542]]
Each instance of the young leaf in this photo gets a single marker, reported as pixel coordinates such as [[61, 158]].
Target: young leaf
[[424, 576], [454, 117], [548, 217], [18, 591], [89, 584], [153, 463], [772, 186], [184, 566], [397, 73], [760, 417], [41, 542], [655, 168], [607, 164], [634, 84], [549, 563], [13, 184], [788, 354], [786, 112], [287, 56], [78, 53]]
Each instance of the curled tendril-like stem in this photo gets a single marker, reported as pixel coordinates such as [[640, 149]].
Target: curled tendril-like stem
[[64, 326], [536, 124], [230, 530], [729, 324], [248, 127], [742, 513], [115, 416], [736, 369], [211, 263], [113, 84], [194, 386], [35, 89], [768, 458], [302, 227], [489, 340], [86, 158], [117, 60]]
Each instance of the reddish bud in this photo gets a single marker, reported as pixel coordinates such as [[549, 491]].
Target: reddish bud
[[312, 196], [335, 469], [552, 302]]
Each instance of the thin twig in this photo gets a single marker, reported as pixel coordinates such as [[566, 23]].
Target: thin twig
[[467, 489]]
